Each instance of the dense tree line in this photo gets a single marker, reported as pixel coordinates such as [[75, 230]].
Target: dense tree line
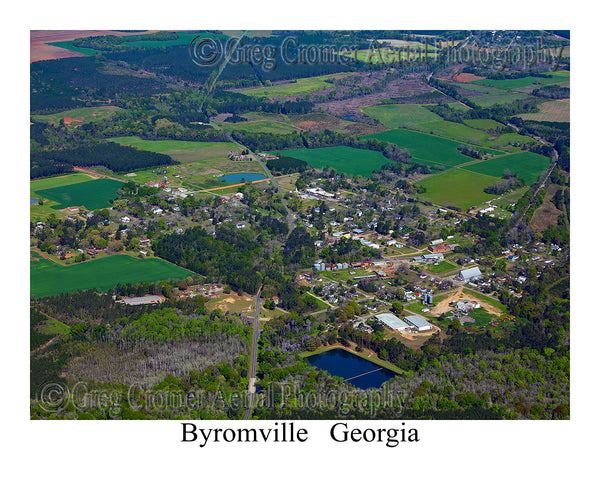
[[287, 165], [228, 256], [111, 155]]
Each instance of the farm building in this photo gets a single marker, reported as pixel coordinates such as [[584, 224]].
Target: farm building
[[419, 323], [392, 321], [436, 241], [147, 300], [470, 274]]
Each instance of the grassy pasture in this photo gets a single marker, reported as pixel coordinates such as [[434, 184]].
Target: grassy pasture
[[301, 86], [526, 165], [49, 278], [458, 187], [430, 148], [79, 116], [394, 116], [351, 161], [92, 195]]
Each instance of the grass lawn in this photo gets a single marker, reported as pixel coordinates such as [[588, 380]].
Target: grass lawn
[[441, 267], [92, 195], [394, 116], [526, 165], [423, 146], [351, 161], [458, 187], [301, 86], [48, 278], [79, 116]]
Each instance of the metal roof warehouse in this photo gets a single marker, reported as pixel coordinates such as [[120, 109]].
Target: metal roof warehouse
[[392, 321], [420, 323]]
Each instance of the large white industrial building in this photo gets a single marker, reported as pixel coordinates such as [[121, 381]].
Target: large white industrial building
[[412, 321], [392, 321], [470, 274], [419, 323]]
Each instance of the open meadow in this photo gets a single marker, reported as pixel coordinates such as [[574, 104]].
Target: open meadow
[[49, 278]]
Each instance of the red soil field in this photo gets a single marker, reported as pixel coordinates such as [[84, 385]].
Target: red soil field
[[38, 40], [466, 77]]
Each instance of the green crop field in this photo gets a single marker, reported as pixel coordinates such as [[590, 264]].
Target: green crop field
[[351, 161], [526, 165], [49, 278], [394, 116], [427, 147], [458, 187], [92, 195], [79, 116], [302, 86], [557, 77]]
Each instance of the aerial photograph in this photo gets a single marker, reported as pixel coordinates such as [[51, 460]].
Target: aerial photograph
[[299, 225]]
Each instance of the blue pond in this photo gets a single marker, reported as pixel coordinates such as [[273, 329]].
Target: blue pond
[[353, 369], [241, 177], [33, 201], [349, 117]]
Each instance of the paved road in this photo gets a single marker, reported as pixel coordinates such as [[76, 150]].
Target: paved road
[[252, 380]]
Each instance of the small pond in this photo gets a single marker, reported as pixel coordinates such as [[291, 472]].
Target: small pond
[[353, 369], [33, 201], [241, 177]]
